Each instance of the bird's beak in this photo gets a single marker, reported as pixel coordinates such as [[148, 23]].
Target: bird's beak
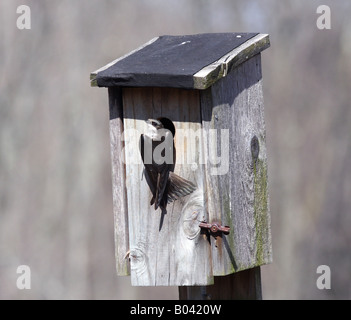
[[151, 129], [154, 123]]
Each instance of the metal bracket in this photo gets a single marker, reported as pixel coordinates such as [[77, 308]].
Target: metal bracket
[[214, 228]]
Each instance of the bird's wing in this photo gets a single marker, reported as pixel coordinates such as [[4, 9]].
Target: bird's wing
[[164, 170], [162, 180], [150, 175], [178, 187]]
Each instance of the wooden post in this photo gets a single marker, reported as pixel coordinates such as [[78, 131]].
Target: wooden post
[[242, 285], [210, 87]]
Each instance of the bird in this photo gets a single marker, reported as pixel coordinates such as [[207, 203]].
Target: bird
[[164, 184]]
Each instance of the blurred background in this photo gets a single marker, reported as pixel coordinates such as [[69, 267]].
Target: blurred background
[[55, 172]]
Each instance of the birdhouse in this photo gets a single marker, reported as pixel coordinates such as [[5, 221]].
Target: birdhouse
[[189, 163]]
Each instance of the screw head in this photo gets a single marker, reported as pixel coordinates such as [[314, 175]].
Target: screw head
[[214, 228]]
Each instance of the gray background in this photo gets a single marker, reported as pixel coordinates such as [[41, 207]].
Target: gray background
[[55, 173]]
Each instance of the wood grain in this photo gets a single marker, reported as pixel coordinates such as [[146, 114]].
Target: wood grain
[[119, 191], [239, 198], [166, 249]]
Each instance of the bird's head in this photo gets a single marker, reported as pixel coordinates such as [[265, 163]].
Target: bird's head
[[160, 123], [155, 123]]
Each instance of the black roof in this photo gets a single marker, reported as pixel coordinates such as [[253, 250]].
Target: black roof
[[169, 61]]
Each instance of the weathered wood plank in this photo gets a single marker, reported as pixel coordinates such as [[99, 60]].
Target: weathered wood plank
[[165, 249], [207, 76], [238, 198], [119, 192], [243, 285]]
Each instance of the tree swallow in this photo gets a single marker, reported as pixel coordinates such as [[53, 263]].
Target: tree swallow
[[159, 155]]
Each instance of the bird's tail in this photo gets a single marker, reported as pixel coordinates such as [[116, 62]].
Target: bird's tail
[[178, 187]]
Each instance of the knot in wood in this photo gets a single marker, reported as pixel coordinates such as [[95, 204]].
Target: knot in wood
[[193, 211], [255, 148], [138, 260], [190, 224]]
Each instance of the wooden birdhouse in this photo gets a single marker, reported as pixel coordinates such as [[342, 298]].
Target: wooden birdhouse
[[209, 87]]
